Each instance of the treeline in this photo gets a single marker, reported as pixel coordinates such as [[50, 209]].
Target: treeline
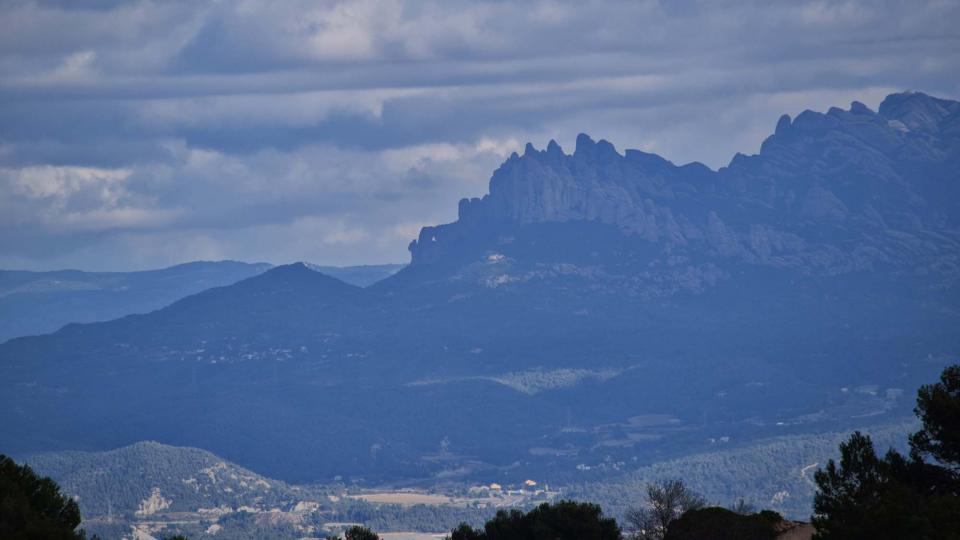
[[672, 512]]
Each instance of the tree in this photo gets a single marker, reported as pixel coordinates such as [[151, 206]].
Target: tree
[[32, 506], [717, 523], [360, 533], [938, 406], [466, 532], [357, 533], [565, 520], [896, 496], [856, 498], [666, 501]]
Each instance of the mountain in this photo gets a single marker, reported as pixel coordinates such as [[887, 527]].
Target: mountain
[[151, 490], [828, 194], [42, 302], [183, 479], [593, 308]]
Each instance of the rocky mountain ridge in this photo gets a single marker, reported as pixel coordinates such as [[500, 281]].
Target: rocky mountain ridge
[[34, 303], [829, 193]]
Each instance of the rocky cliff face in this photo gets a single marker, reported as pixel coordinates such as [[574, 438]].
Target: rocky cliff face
[[829, 193]]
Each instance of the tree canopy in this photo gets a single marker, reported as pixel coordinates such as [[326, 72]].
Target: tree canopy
[[717, 523], [357, 533], [938, 406], [565, 520], [32, 507], [897, 496]]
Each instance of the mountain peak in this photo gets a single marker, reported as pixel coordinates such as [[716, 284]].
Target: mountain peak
[[296, 274], [298, 267], [783, 124], [585, 145], [606, 150], [857, 107], [919, 112], [553, 149], [589, 149]]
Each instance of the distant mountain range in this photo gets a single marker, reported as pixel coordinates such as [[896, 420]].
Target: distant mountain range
[[594, 308], [34, 303]]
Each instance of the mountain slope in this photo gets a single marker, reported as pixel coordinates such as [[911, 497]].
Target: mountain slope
[[34, 303], [122, 482], [828, 194], [40, 302], [594, 307]]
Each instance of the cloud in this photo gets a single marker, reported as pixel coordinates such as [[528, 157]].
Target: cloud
[[318, 202], [70, 199], [330, 131]]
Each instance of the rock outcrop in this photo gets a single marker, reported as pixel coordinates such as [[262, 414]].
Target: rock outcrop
[[829, 193]]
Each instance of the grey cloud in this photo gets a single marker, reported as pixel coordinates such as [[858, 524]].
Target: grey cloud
[[363, 199]]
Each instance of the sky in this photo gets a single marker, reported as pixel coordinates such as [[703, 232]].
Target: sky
[[142, 134]]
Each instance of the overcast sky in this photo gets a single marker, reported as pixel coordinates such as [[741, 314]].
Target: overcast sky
[[142, 134]]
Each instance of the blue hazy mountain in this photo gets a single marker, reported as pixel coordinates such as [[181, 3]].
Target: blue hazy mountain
[[40, 302], [594, 309]]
